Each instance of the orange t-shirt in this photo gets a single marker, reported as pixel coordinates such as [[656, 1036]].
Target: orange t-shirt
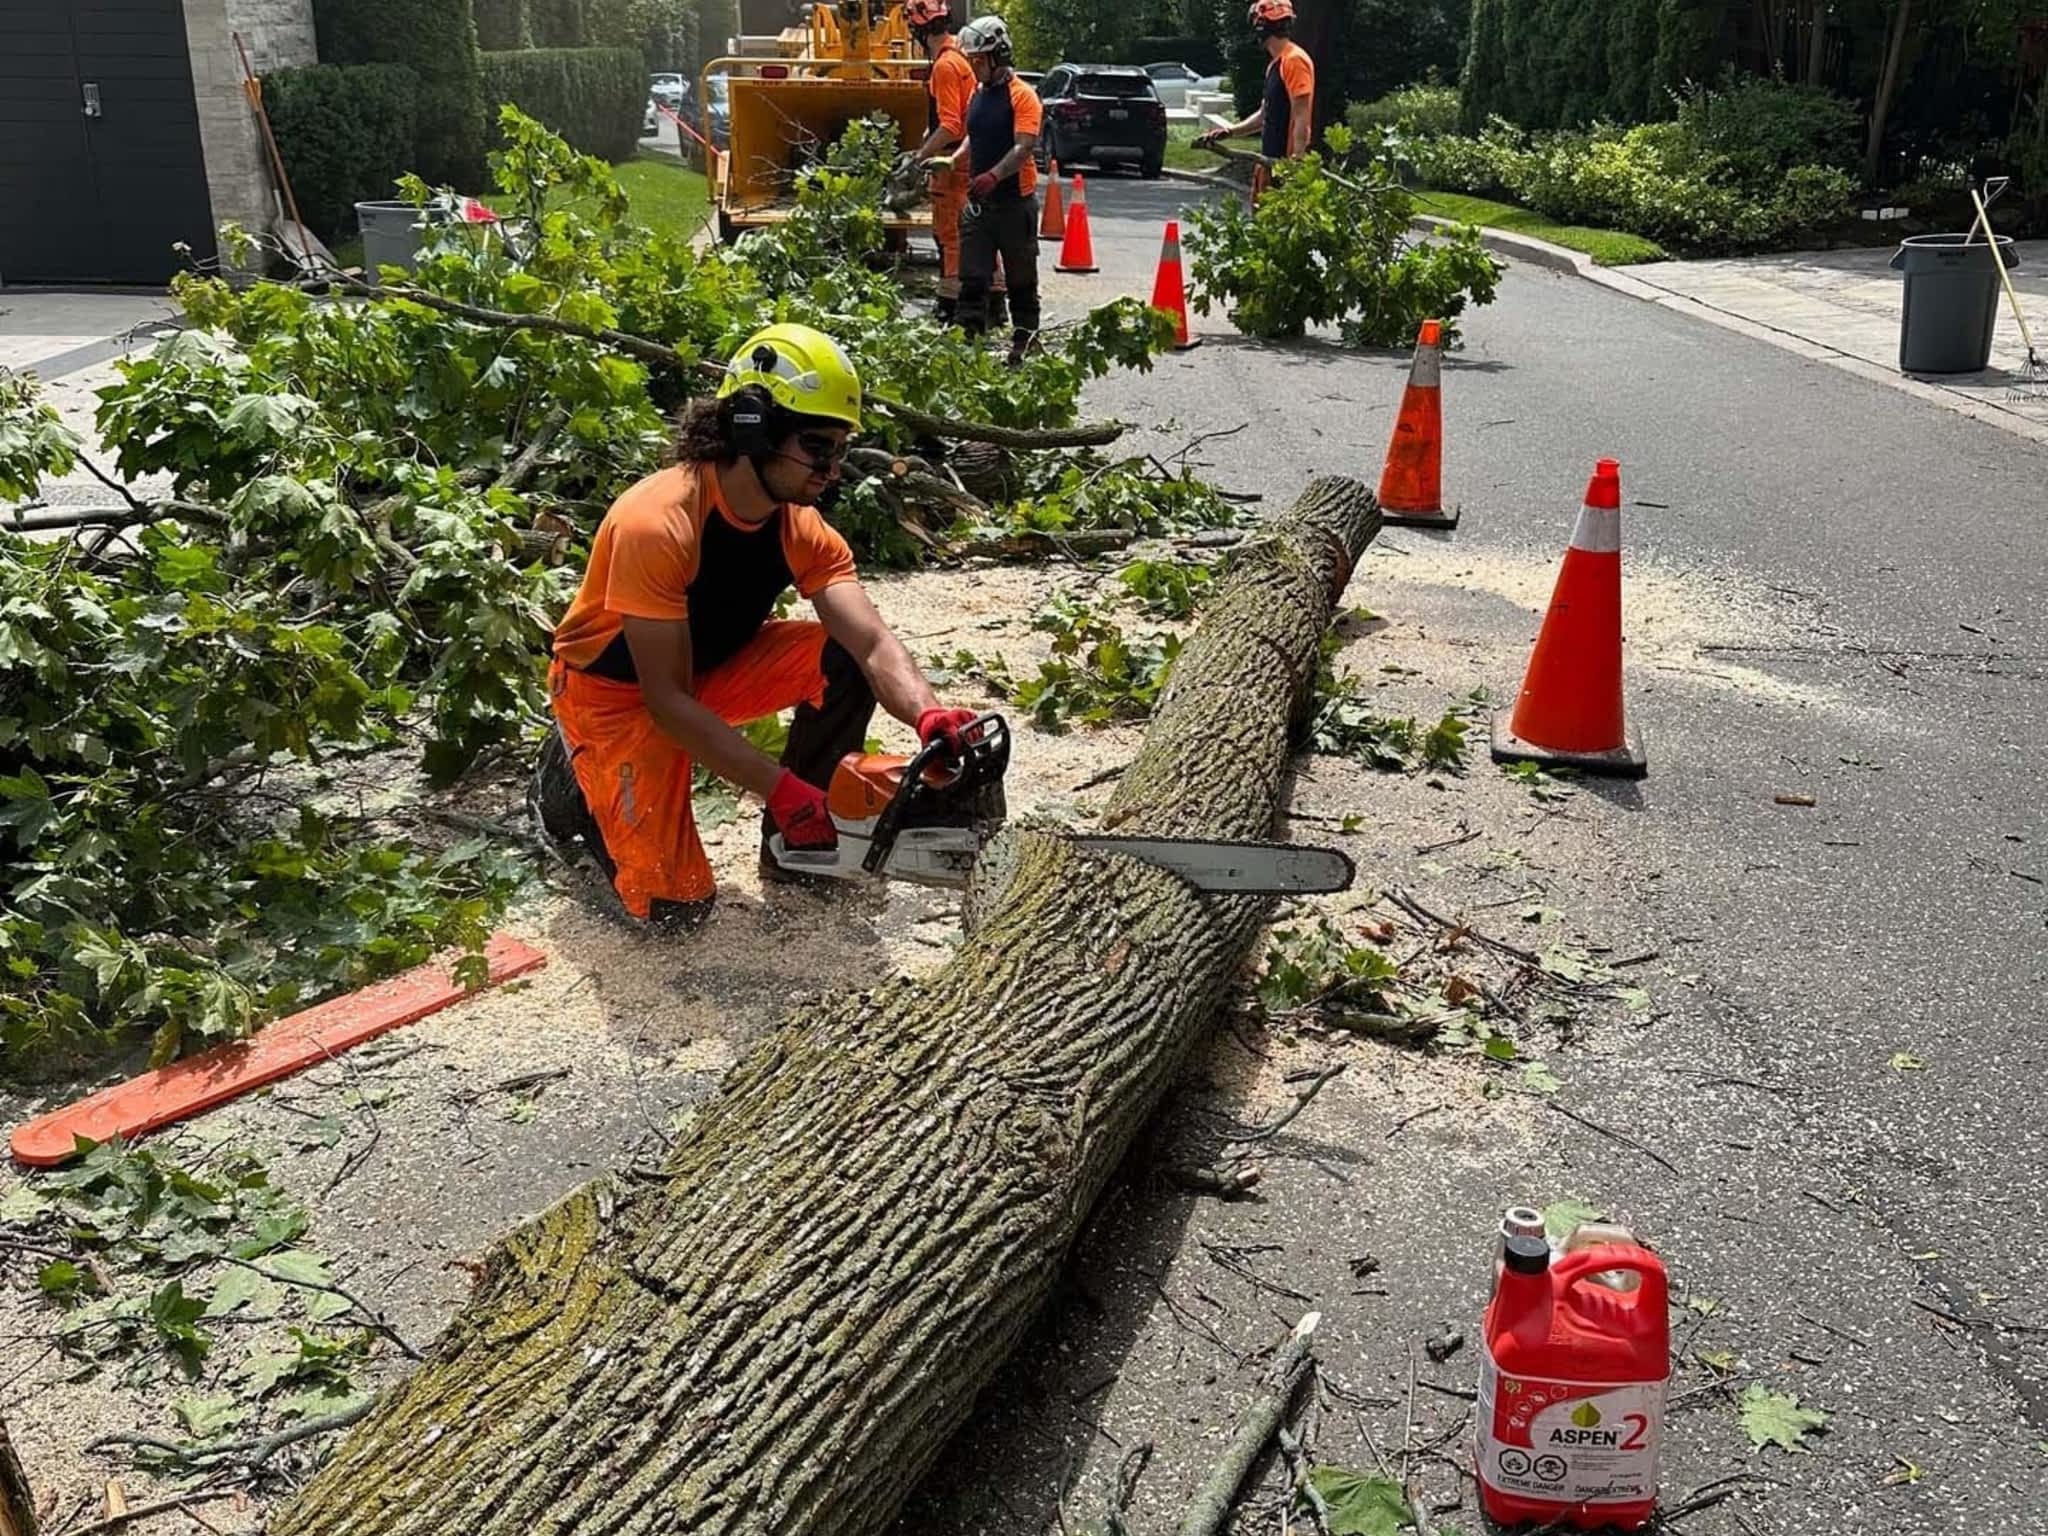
[[952, 86], [647, 564]]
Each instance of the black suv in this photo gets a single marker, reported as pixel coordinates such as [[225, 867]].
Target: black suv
[[1103, 114]]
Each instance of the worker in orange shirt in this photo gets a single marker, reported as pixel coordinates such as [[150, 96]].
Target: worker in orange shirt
[[1285, 120], [672, 639], [1001, 222], [950, 88]]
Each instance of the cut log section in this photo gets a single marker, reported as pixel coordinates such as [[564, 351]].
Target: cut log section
[[849, 1239]]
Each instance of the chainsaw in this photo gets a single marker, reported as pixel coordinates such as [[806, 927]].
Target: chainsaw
[[924, 819]]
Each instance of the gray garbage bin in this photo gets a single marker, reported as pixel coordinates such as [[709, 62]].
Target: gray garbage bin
[[393, 233], [1951, 302]]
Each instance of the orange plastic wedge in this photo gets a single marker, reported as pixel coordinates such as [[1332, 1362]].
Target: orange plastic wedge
[[185, 1088]]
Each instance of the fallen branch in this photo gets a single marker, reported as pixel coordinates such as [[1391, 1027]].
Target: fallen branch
[[1090, 434], [126, 1517], [1228, 1183], [372, 1318], [17, 1503], [1286, 1117], [256, 1450], [1209, 1511]]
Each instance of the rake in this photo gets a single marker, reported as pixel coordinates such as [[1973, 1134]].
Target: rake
[[2031, 384]]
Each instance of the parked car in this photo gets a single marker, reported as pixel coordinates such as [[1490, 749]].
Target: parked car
[[1173, 82], [1104, 114], [669, 90]]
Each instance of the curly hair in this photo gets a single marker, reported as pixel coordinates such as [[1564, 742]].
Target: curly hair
[[703, 435]]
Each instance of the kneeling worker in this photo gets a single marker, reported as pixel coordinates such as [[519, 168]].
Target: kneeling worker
[[672, 639]]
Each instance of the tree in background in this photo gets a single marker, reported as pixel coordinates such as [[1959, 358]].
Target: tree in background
[[1049, 32]]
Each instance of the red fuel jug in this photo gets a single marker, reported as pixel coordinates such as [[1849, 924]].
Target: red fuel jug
[[1571, 1392]]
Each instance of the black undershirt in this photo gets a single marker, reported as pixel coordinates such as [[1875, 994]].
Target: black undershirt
[[741, 575]]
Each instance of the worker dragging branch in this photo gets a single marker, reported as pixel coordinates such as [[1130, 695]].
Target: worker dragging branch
[[1285, 119], [672, 641]]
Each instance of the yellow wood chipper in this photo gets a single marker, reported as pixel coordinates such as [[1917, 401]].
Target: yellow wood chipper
[[854, 59]]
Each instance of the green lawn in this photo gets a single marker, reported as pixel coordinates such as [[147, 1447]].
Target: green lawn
[[665, 195], [1610, 248], [1181, 153]]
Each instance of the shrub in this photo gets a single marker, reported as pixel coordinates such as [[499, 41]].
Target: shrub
[[346, 132], [502, 24], [1413, 112], [557, 23], [1554, 63], [436, 39], [1765, 127], [1321, 249], [592, 97]]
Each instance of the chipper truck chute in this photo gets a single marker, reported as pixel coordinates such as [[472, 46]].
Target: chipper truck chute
[[857, 59]]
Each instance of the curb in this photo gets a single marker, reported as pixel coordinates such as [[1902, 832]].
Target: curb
[[1623, 281]]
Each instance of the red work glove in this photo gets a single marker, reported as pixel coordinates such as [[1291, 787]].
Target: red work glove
[[800, 813], [983, 187], [945, 725]]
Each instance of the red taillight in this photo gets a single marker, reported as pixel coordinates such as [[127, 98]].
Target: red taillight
[[1069, 110], [774, 71]]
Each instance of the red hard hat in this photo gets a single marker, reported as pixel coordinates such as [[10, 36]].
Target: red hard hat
[[1266, 13], [922, 13]]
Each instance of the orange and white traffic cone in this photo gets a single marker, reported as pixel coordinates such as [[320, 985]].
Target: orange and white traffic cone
[[1078, 253], [1052, 224], [1570, 714], [1412, 484], [1170, 289]]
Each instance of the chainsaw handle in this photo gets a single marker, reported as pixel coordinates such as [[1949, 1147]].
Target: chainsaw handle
[[986, 754]]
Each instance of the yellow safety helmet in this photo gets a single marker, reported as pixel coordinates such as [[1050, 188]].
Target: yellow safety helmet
[[802, 370]]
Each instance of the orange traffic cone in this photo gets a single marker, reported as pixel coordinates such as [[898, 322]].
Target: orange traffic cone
[[1170, 290], [1570, 713], [1411, 486], [1078, 253], [1052, 224]]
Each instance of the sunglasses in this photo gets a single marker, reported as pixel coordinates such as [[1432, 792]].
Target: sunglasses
[[824, 451]]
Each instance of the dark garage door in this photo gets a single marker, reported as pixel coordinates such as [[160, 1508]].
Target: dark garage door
[[100, 166]]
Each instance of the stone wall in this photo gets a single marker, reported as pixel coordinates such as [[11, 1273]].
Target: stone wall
[[277, 33]]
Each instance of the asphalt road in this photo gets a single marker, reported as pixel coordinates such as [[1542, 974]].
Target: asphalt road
[[1835, 592]]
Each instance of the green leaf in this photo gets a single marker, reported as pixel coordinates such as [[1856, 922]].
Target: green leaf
[[1359, 1505], [243, 1288], [61, 1278], [1562, 1217], [264, 1369], [1500, 1048], [273, 1229], [1775, 1418], [22, 1206], [325, 1306], [318, 1402], [206, 1417], [297, 1266], [1539, 1079]]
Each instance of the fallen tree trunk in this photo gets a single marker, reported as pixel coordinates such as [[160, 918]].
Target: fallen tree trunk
[[17, 1503], [779, 1335]]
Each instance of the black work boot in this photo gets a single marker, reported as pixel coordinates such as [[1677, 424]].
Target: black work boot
[[1022, 344], [945, 311]]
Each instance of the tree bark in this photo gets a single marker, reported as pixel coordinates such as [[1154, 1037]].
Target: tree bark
[[17, 1503], [1887, 89], [779, 1334]]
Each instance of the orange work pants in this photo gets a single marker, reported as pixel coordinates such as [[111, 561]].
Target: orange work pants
[[635, 777], [949, 203]]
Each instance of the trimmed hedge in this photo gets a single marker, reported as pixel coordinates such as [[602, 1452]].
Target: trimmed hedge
[[1561, 63], [502, 25], [436, 39], [593, 97], [346, 132], [558, 23]]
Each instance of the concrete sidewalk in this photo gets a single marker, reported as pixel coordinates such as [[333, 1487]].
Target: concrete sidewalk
[[70, 342], [53, 334], [1843, 308]]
